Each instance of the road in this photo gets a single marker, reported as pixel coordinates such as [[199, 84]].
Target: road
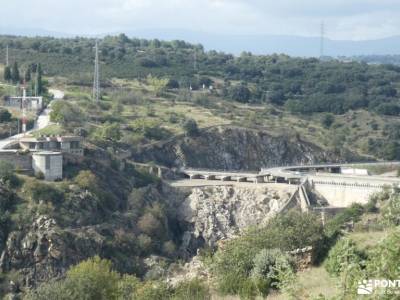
[[42, 121]]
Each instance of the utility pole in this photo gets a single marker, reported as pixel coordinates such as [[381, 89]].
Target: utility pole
[[321, 54], [96, 81], [24, 104]]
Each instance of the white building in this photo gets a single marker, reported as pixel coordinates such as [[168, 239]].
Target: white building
[[50, 164]]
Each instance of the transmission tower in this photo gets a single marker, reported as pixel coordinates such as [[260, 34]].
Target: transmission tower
[[7, 61], [321, 53], [96, 81], [24, 106]]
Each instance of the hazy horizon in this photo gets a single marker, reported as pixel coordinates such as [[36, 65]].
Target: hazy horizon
[[344, 20]]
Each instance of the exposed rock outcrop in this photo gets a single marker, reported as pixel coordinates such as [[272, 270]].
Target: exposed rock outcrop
[[234, 148], [222, 212], [46, 251]]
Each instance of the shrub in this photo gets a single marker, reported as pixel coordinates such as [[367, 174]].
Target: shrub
[[38, 191], [327, 120], [391, 211], [191, 128], [240, 93], [5, 115], [193, 290], [268, 264], [87, 180], [341, 255], [94, 279], [149, 224], [7, 175], [234, 264]]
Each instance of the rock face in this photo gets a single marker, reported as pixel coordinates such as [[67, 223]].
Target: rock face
[[233, 148], [46, 251], [222, 212]]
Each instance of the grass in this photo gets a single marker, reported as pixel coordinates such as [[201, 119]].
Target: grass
[[53, 129], [365, 240]]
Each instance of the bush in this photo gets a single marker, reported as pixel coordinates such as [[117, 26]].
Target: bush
[[7, 175], [193, 290], [268, 264], [191, 128], [87, 180], [149, 224], [234, 264], [351, 214], [38, 191], [341, 255], [240, 93], [5, 115], [327, 120]]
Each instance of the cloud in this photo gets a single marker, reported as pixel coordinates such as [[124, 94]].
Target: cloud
[[344, 19]]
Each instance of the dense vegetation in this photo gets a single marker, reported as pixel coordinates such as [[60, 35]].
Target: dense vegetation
[[302, 85], [94, 279], [154, 91]]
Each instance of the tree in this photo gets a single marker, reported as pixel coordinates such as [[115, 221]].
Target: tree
[[28, 74], [39, 82], [158, 84], [327, 120], [7, 175], [5, 115], [15, 73], [240, 93], [7, 74], [94, 279], [149, 224], [341, 255], [65, 113], [191, 128], [110, 132]]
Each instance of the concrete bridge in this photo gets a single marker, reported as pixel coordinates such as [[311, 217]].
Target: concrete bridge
[[224, 176], [339, 184]]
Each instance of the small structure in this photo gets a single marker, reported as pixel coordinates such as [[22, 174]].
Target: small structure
[[63, 144], [50, 164], [34, 104]]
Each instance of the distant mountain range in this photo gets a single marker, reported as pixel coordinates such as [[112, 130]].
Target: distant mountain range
[[257, 44]]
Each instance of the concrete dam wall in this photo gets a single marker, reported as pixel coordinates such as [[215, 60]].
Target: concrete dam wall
[[344, 191]]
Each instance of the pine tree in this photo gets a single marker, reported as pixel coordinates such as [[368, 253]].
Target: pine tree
[[15, 73], [7, 74]]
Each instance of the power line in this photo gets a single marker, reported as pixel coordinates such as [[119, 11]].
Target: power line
[[96, 81]]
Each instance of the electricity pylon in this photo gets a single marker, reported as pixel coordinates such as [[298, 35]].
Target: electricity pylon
[[96, 81], [7, 62]]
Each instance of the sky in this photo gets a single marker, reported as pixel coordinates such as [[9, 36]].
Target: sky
[[343, 19]]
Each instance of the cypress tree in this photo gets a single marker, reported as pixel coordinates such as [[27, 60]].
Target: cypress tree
[[15, 73], [7, 74], [39, 82], [28, 74]]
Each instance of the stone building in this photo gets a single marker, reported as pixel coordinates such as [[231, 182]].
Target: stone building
[[63, 144], [50, 164], [43, 155]]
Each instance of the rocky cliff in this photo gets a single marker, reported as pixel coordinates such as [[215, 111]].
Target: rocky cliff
[[234, 148], [217, 213]]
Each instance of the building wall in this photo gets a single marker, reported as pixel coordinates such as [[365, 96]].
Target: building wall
[[20, 161], [50, 165]]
